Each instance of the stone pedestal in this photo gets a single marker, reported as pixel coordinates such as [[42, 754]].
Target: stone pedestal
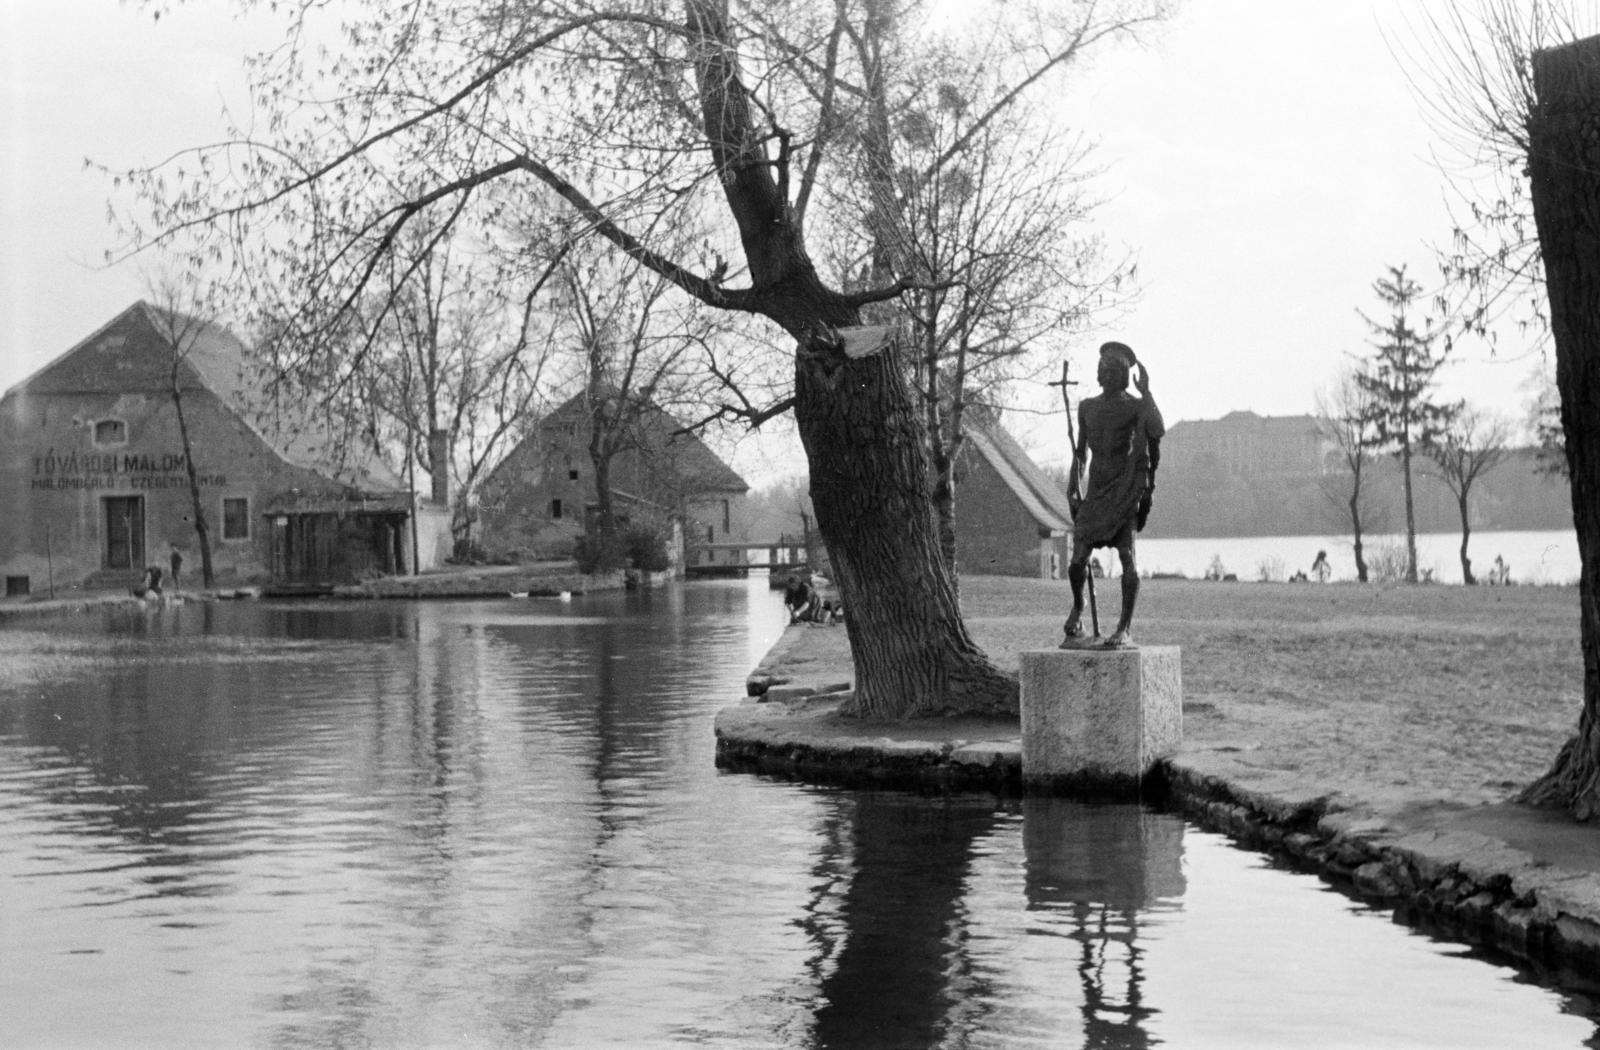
[[1098, 719]]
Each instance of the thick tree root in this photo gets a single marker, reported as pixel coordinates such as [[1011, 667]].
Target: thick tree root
[[977, 688], [1573, 783]]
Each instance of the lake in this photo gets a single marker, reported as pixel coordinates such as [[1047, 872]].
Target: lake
[[499, 824], [1532, 557]]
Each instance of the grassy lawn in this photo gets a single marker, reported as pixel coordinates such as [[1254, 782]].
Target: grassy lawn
[[1463, 692]]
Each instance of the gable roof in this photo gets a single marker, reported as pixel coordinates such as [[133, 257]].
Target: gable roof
[[701, 469], [213, 359], [1041, 497]]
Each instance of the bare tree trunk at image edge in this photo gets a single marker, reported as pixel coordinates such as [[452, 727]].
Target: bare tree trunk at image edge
[[1563, 127]]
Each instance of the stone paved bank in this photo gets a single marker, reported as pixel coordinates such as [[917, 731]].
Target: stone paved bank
[[1446, 850]]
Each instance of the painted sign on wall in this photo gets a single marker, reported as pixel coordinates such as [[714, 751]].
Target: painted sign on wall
[[115, 470]]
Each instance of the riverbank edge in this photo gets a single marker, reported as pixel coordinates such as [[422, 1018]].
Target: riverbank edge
[[1450, 880], [507, 582]]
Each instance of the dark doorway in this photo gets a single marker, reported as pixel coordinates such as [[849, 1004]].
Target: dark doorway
[[124, 532]]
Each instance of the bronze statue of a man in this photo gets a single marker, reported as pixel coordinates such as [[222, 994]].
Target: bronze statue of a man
[[1120, 435]]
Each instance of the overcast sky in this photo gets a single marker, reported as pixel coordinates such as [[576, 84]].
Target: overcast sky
[[1265, 159]]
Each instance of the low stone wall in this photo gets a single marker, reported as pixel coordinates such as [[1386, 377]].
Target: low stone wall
[[910, 768], [803, 737]]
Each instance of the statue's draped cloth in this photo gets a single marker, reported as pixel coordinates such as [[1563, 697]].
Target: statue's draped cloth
[[1118, 429]]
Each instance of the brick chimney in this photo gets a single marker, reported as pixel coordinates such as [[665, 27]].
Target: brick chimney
[[439, 465]]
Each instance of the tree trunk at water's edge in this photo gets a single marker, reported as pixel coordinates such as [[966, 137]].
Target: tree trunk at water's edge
[[870, 488], [1564, 172], [864, 445]]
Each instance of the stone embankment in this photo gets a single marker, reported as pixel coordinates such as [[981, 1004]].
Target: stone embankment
[[1373, 792]]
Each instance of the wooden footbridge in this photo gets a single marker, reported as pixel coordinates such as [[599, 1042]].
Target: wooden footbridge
[[735, 558]]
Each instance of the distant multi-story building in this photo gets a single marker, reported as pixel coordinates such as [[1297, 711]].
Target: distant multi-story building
[[1245, 445], [1251, 475]]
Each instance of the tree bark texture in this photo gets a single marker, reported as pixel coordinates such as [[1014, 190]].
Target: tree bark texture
[[869, 487], [1564, 172], [944, 509]]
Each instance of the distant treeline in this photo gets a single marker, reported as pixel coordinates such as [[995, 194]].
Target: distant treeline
[[1515, 495]]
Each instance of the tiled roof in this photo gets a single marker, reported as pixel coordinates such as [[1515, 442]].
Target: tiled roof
[[1040, 496], [217, 361], [692, 459]]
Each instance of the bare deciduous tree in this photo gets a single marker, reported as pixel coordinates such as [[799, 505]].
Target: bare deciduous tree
[[1469, 446], [457, 366], [998, 223], [641, 346], [1347, 416], [177, 317]]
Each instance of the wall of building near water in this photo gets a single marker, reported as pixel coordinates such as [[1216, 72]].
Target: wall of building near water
[[58, 466], [995, 533], [62, 456]]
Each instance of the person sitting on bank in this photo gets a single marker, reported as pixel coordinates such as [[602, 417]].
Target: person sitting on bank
[[800, 598], [150, 585]]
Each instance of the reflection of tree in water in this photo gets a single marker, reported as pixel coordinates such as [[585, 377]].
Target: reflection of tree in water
[[890, 985], [1103, 867]]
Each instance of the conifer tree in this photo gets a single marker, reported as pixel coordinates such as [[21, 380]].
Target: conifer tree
[[1401, 383]]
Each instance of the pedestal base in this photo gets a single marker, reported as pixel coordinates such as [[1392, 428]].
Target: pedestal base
[[1098, 719]]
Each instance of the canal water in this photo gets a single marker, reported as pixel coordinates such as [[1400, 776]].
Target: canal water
[[499, 824]]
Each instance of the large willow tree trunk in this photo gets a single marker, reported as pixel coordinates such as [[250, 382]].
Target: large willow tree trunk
[[863, 439], [869, 485], [1564, 170]]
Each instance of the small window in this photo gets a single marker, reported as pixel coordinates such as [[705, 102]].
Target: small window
[[711, 534], [572, 475], [236, 519], [555, 508], [111, 432], [727, 518]]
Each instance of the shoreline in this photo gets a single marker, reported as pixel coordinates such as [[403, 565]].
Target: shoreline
[[483, 582]]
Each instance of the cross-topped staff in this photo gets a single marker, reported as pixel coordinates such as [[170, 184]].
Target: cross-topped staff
[[1074, 496]]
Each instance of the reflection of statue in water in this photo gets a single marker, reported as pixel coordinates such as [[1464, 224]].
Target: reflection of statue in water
[[1093, 874], [1120, 435]]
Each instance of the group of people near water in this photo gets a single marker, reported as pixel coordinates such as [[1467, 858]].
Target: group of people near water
[[1499, 576]]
